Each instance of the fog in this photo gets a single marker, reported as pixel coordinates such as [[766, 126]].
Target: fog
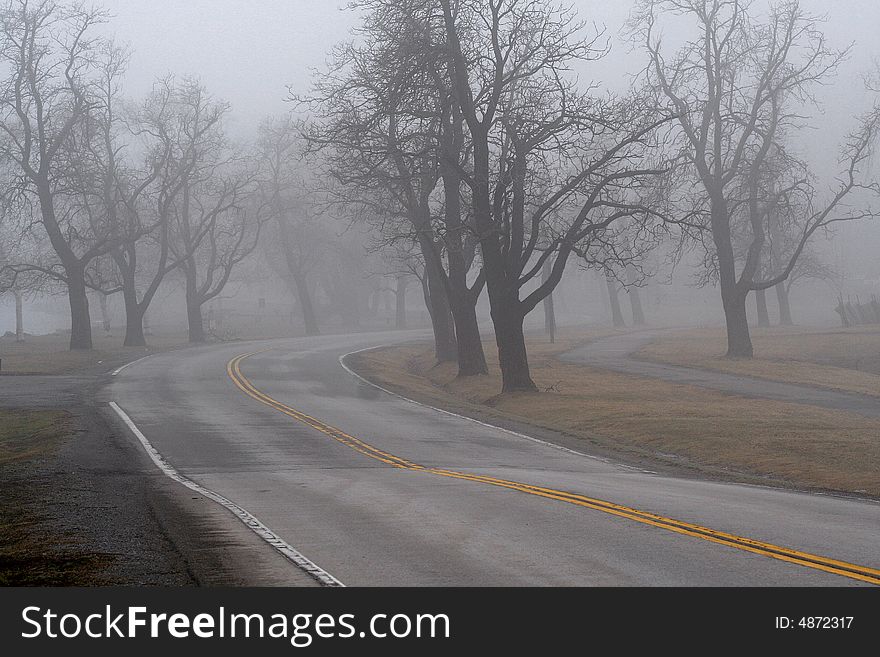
[[347, 261]]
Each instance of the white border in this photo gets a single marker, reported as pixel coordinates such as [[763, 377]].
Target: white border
[[119, 369], [251, 521], [474, 420]]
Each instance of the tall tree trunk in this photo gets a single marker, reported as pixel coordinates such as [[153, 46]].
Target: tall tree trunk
[[635, 299], [105, 315], [19, 317], [784, 305], [733, 297], [471, 357], [462, 299], [739, 340], [134, 316], [614, 299], [310, 318], [512, 356], [402, 283], [445, 346], [761, 304], [80, 320], [134, 328], [549, 310], [194, 318], [196, 322]]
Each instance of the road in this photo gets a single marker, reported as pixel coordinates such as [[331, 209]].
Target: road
[[379, 491]]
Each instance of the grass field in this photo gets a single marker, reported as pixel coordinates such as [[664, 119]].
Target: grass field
[[49, 354], [840, 359], [754, 440]]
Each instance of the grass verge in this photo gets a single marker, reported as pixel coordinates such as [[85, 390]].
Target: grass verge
[[31, 552], [642, 419]]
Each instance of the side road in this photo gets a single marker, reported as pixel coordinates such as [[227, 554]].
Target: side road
[[615, 353]]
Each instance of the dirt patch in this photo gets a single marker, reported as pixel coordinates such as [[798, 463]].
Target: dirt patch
[[640, 419], [840, 359]]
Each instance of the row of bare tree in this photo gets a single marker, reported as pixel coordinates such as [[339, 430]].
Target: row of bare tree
[[457, 128], [108, 196], [457, 137]]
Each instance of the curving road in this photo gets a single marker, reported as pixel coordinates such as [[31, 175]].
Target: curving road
[[379, 491]]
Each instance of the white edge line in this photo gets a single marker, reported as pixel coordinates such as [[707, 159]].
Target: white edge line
[[119, 369], [474, 420], [251, 521]]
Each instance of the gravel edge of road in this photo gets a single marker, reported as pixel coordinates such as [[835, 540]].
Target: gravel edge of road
[[97, 498]]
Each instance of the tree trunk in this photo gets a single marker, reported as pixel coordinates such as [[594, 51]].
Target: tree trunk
[[733, 297], [549, 310], [512, 355], [134, 326], [194, 318], [471, 357], [614, 299], [761, 303], [635, 299], [739, 341], [134, 316], [80, 320], [310, 318], [19, 317], [784, 305], [445, 346], [105, 315], [195, 321], [400, 302]]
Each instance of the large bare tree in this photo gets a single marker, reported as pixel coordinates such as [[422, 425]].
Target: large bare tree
[[735, 86], [552, 164], [51, 55]]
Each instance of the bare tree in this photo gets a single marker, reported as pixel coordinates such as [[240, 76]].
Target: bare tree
[[733, 89], [377, 129], [51, 55], [284, 189], [547, 158]]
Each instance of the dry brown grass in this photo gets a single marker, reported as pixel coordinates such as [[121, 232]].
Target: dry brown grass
[[840, 359], [49, 354], [27, 434], [648, 418]]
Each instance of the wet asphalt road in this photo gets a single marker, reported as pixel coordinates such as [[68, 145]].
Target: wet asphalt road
[[369, 523]]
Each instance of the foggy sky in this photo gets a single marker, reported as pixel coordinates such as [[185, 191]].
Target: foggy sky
[[248, 52]]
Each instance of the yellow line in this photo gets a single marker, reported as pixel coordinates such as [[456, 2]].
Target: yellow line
[[825, 564]]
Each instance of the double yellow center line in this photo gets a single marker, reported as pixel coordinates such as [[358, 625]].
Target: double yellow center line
[[816, 562]]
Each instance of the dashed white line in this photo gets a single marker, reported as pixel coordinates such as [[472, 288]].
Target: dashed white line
[[251, 521]]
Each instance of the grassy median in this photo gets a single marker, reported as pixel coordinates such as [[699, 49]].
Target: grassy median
[[642, 418]]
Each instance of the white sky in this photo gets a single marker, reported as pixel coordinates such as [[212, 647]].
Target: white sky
[[247, 52]]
